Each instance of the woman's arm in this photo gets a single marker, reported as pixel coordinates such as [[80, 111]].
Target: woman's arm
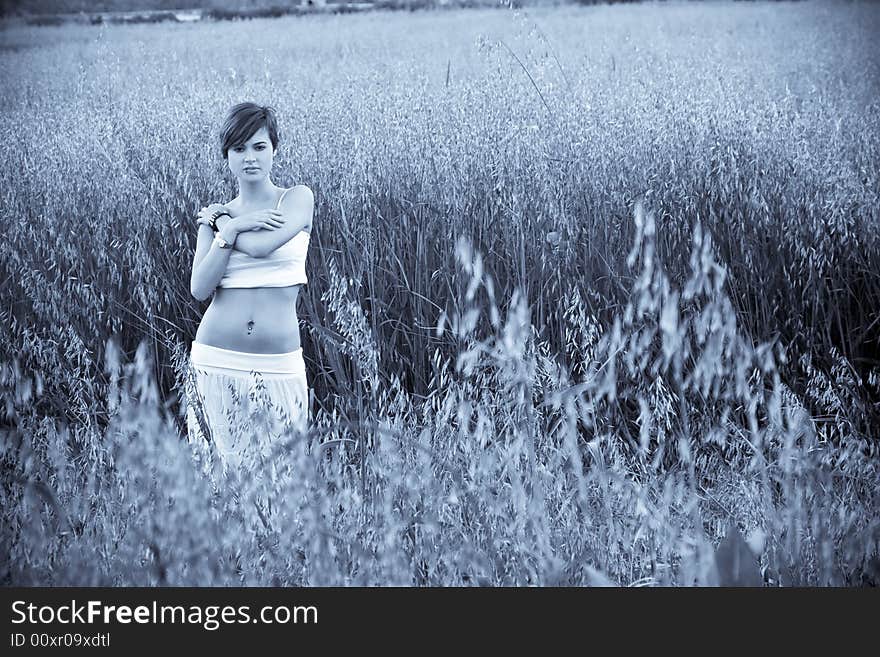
[[297, 209], [224, 219], [209, 262], [268, 220]]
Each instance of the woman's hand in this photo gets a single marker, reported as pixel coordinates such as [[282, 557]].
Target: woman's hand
[[204, 215]]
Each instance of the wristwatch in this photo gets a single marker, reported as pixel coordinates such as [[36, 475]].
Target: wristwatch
[[222, 243], [215, 216]]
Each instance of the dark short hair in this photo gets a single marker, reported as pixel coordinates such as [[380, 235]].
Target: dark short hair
[[242, 123]]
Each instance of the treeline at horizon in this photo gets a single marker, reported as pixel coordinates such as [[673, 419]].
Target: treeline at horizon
[[11, 8]]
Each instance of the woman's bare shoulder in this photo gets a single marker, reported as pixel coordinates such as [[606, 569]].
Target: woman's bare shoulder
[[299, 198], [299, 194]]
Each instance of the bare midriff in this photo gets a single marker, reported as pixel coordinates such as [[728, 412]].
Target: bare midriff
[[259, 320]]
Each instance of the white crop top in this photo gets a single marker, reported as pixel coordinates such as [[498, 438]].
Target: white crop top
[[285, 266]]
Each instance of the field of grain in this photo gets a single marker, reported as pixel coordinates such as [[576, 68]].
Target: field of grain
[[588, 288]]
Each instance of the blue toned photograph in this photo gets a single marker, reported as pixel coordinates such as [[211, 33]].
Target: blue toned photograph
[[439, 293]]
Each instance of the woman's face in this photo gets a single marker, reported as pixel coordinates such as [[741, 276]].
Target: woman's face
[[252, 161]]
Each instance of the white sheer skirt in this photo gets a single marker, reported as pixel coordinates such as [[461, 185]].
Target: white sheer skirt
[[240, 403]]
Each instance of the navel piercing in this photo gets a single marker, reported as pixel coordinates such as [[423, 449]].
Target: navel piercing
[[250, 327]]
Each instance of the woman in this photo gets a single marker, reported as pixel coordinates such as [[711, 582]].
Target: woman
[[251, 255]]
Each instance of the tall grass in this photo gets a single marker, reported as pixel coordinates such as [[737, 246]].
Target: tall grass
[[614, 291]]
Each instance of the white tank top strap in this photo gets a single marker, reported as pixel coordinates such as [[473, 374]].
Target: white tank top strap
[[280, 198]]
